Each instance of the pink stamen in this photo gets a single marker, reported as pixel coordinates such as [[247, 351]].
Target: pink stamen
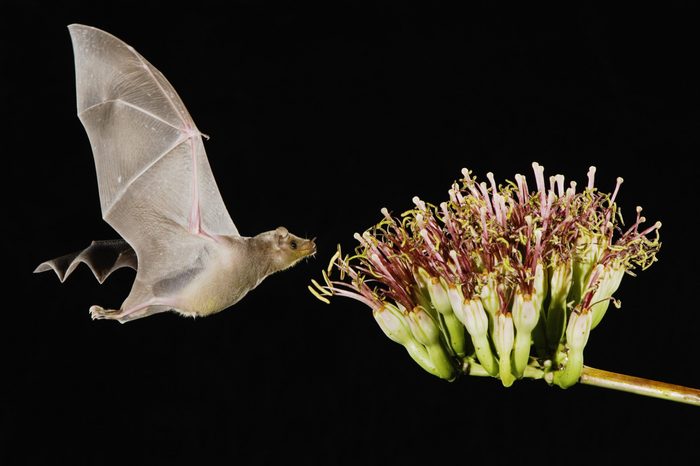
[[591, 177], [487, 199], [655, 226], [420, 204], [522, 193], [560, 184], [482, 215], [539, 176], [617, 188], [491, 179], [385, 213]]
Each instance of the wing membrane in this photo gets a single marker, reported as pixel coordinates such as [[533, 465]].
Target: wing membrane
[[151, 165]]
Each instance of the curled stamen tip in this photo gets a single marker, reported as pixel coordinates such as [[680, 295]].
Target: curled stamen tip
[[384, 211], [642, 219], [357, 237], [465, 172], [620, 180], [535, 165], [657, 225], [639, 209]]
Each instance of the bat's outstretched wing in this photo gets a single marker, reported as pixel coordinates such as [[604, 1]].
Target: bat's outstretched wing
[[152, 171]]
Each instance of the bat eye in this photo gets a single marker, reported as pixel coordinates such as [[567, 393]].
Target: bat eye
[[293, 244]]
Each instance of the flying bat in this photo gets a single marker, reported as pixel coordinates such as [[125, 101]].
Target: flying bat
[[158, 192]]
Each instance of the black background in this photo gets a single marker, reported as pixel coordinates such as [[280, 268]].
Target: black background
[[320, 115]]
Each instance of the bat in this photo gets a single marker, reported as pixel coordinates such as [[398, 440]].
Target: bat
[[158, 192]]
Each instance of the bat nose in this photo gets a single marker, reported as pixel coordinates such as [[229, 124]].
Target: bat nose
[[311, 245]]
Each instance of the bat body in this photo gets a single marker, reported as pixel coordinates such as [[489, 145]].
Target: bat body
[[158, 192]]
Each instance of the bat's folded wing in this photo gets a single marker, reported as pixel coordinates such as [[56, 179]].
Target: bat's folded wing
[[152, 169]]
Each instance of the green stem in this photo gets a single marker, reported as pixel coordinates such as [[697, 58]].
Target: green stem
[[646, 387]]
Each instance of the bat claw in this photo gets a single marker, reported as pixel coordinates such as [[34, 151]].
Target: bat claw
[[98, 312]]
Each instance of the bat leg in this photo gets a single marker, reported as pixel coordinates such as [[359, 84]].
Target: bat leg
[[145, 309]]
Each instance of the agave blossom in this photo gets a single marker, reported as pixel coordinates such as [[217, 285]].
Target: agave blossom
[[499, 280]]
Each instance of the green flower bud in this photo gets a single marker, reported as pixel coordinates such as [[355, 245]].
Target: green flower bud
[[540, 291], [438, 295], [489, 296], [590, 247], [560, 284], [444, 367], [393, 323], [420, 292], [454, 294], [455, 334], [577, 332], [503, 338], [609, 282], [540, 286], [419, 353], [476, 321], [525, 314], [423, 327], [525, 317]]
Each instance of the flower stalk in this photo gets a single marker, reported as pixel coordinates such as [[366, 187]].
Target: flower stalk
[[499, 280]]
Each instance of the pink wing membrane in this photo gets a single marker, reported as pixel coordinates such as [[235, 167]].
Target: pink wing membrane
[[152, 169]]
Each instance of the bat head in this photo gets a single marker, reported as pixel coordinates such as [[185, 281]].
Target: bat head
[[290, 249]]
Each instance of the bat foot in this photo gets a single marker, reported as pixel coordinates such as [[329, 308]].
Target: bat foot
[[147, 308], [98, 312]]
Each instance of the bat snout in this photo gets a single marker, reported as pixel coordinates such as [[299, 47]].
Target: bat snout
[[308, 247]]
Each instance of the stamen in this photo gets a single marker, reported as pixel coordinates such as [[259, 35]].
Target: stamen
[[491, 179], [591, 177], [617, 188], [317, 295], [560, 184], [539, 176]]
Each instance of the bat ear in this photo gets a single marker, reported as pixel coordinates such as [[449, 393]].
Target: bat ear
[[281, 232]]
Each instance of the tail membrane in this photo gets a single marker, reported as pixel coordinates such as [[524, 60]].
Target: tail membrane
[[103, 258]]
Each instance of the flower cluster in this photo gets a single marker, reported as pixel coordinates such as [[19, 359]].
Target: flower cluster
[[499, 280]]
